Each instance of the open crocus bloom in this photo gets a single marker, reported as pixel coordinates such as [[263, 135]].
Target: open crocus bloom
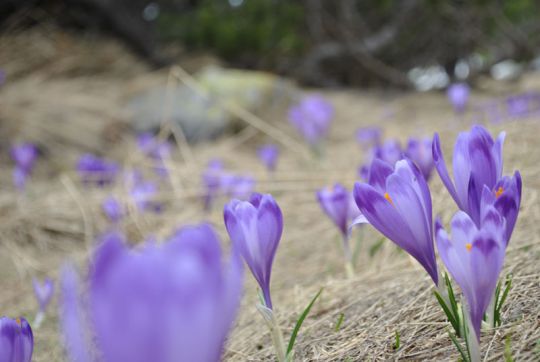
[[16, 340], [312, 117], [255, 228], [420, 152], [368, 136], [474, 257], [173, 302], [477, 162], [24, 155], [397, 202]]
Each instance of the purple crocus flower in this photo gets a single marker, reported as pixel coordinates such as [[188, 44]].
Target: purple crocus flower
[[268, 154], [96, 170], [506, 198], [458, 95], [420, 152], [397, 202], [171, 302], [255, 228], [144, 196], [477, 162], [43, 292], [312, 117], [369, 136], [24, 155], [474, 257], [112, 208], [238, 186], [16, 340], [390, 152], [212, 181], [156, 149], [335, 202]]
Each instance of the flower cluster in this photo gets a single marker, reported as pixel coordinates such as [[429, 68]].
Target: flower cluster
[[396, 201], [312, 117]]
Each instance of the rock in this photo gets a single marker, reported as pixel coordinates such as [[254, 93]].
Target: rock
[[202, 118]]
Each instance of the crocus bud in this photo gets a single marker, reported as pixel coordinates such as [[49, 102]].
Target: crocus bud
[[268, 155], [458, 95], [43, 292], [16, 340], [255, 228]]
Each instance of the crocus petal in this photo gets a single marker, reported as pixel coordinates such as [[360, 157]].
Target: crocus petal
[[440, 166], [378, 173], [16, 340]]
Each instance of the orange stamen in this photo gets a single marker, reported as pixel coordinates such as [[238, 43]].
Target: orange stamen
[[18, 321], [468, 246], [499, 192], [386, 196]]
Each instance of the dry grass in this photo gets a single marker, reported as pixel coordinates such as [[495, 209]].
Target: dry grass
[[58, 219]]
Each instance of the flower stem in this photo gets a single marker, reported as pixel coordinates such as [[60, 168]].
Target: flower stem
[[277, 340], [349, 267]]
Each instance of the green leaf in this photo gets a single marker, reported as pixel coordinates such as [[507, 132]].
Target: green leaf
[[397, 343], [449, 315], [466, 332], [508, 350], [452, 297], [300, 321], [499, 303], [339, 321], [373, 249], [458, 346]]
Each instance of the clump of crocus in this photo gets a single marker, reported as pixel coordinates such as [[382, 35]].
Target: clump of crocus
[[255, 228], [155, 149], [16, 340], [397, 202], [458, 95], [420, 152], [368, 137], [474, 257], [477, 161], [336, 204], [113, 209], [312, 118], [24, 155], [268, 154], [43, 293], [171, 302], [96, 170]]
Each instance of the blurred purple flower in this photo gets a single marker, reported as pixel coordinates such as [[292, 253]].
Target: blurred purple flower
[[2, 77], [312, 117], [474, 257], [369, 136], [420, 152], [173, 302], [43, 292], [156, 149], [397, 202], [255, 228], [458, 95], [239, 186], [16, 340], [96, 170], [336, 204], [268, 154], [477, 161], [112, 208], [144, 195], [390, 152], [212, 182], [24, 155]]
